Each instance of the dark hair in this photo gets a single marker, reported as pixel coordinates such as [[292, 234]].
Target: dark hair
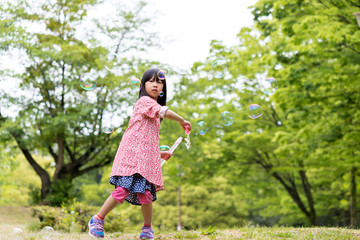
[[153, 72]]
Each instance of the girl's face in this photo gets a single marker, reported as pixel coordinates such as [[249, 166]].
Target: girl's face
[[153, 87]]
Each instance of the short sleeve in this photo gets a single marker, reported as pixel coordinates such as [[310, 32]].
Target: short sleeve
[[163, 111], [149, 107]]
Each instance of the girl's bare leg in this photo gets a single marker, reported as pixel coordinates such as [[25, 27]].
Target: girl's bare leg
[[109, 205], [147, 211]]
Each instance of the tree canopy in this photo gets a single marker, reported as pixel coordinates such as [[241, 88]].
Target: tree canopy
[[297, 164], [57, 42]]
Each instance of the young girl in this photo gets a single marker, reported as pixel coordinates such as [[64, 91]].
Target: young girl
[[136, 171]]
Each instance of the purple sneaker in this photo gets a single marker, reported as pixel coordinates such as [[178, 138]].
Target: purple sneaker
[[96, 228], [146, 233]]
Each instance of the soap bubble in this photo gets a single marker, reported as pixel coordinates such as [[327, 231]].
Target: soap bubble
[[268, 85], [47, 229], [111, 61], [201, 125], [161, 75], [161, 94], [164, 148], [240, 82], [226, 118], [254, 111], [87, 81], [218, 68], [46, 232], [134, 85], [108, 129], [17, 231]]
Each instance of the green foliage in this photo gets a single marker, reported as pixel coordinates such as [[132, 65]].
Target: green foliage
[[209, 231], [186, 235], [75, 218], [35, 195], [61, 192], [211, 203], [47, 215], [317, 69], [291, 166], [281, 161], [59, 118], [20, 182]]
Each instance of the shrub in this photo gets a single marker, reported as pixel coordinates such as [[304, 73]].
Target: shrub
[[75, 218], [61, 192]]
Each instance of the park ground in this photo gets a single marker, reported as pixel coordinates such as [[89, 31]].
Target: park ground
[[20, 217]]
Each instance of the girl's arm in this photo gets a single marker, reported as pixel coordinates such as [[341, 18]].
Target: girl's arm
[[175, 117]]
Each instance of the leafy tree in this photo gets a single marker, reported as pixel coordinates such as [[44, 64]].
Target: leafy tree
[[54, 115], [315, 54], [308, 127]]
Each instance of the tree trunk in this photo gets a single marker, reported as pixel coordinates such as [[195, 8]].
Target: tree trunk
[[353, 207], [291, 188], [179, 205], [60, 160], [307, 190], [43, 174]]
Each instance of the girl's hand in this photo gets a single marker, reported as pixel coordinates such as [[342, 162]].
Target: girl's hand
[[165, 155], [185, 125]]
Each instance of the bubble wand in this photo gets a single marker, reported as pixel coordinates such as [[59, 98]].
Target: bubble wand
[[172, 149]]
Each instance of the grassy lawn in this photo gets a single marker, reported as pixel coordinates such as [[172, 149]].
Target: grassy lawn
[[20, 217]]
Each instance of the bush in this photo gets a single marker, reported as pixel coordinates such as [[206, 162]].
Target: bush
[[75, 218], [61, 192], [47, 215]]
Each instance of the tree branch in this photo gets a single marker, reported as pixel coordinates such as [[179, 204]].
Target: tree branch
[[53, 154], [291, 189], [68, 150], [354, 4], [307, 189], [102, 164], [42, 173]]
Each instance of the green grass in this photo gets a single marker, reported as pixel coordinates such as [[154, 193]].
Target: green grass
[[20, 217], [223, 234]]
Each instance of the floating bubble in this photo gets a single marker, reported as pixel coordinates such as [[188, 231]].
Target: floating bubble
[[17, 231], [46, 232], [87, 81], [254, 111], [108, 129], [226, 118], [161, 94], [201, 125], [111, 61], [268, 85], [161, 75], [240, 82], [195, 115], [164, 148], [218, 68], [134, 84], [47, 229]]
